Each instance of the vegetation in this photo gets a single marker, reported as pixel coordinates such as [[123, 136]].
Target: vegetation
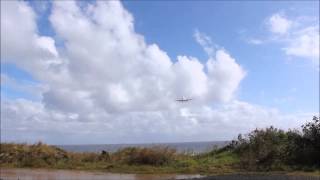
[[275, 149], [269, 149], [155, 156], [131, 159]]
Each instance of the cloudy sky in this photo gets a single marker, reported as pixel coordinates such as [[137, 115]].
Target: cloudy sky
[[110, 71]]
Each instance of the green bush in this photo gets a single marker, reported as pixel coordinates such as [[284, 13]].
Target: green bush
[[275, 149]]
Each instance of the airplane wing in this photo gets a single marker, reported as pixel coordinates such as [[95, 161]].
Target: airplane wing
[[183, 100]]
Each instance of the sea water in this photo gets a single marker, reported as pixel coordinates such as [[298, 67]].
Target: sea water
[[196, 147]]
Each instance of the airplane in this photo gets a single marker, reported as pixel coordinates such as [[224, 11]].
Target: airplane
[[184, 99]]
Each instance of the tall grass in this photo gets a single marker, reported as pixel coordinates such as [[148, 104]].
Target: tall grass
[[156, 156], [131, 159], [36, 155]]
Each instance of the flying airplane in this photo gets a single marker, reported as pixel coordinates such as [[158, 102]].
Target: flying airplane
[[184, 99]]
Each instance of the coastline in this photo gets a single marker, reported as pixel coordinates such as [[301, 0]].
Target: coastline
[[269, 151]]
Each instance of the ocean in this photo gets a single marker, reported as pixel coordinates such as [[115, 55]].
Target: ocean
[[196, 147]]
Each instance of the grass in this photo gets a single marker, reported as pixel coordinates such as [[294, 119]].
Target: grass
[[128, 160]]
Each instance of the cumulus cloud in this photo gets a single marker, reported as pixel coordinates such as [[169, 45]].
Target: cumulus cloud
[[224, 73], [23, 45], [105, 81], [142, 77], [224, 76]]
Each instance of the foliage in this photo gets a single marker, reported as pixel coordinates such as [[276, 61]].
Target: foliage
[[275, 149], [36, 155], [131, 159], [311, 142], [147, 156]]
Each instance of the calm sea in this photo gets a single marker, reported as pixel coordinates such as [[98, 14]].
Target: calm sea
[[196, 147]]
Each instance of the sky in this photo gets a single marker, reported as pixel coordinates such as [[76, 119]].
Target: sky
[[97, 72]]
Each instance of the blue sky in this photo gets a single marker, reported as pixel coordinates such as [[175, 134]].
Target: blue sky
[[259, 36]]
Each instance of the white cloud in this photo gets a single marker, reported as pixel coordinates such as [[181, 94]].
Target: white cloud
[[279, 24], [20, 42], [28, 121], [191, 78], [298, 36], [255, 41], [107, 83], [205, 41], [304, 43], [225, 76]]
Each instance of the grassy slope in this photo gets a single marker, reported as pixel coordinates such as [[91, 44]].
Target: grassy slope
[[129, 160], [125, 161]]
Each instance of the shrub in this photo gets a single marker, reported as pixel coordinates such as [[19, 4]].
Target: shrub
[[36, 155], [145, 156], [104, 156], [274, 149], [262, 148], [311, 143]]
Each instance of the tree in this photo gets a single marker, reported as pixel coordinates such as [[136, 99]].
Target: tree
[[311, 142]]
